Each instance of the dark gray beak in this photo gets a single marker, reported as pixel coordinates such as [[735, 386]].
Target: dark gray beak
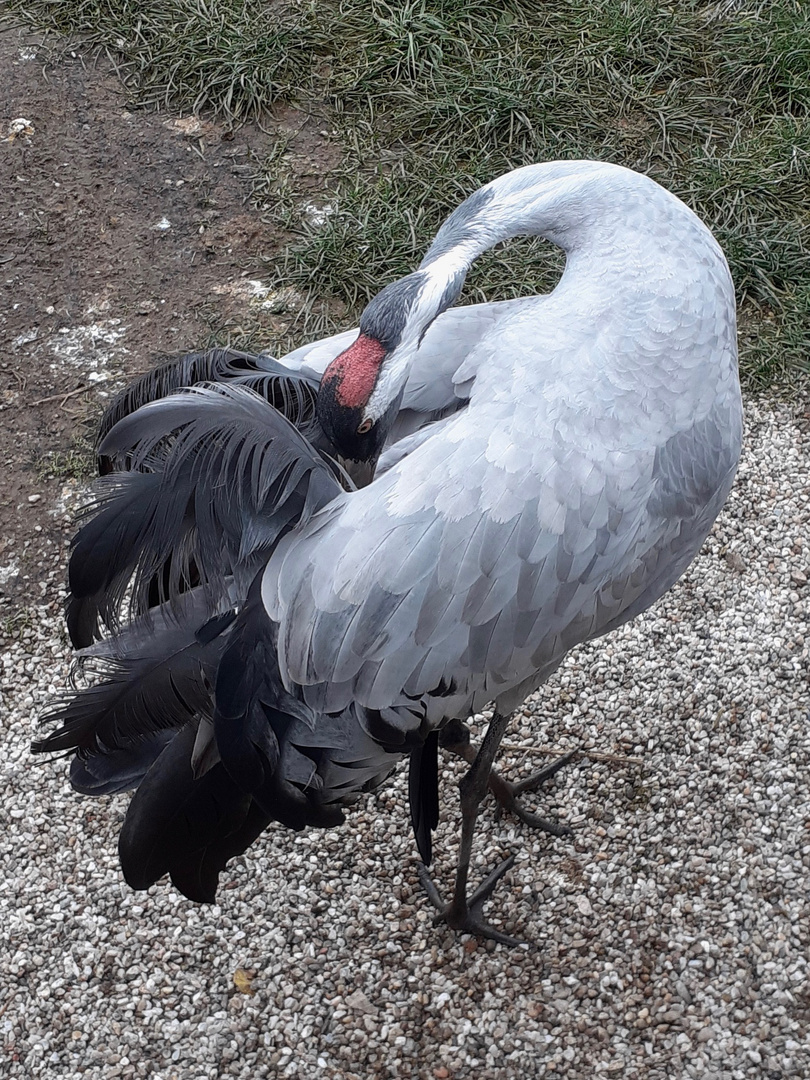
[[361, 472]]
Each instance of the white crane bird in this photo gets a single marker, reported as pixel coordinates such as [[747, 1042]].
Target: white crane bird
[[273, 639]]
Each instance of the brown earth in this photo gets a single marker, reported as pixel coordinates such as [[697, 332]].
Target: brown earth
[[127, 235]]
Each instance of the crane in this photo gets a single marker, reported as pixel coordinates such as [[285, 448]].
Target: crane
[[297, 572]]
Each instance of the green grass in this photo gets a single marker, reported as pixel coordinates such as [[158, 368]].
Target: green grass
[[77, 462], [14, 626], [432, 99]]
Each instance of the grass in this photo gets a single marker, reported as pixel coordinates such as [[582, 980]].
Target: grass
[[432, 99], [77, 462], [14, 626]]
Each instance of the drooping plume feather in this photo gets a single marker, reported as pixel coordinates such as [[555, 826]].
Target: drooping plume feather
[[156, 674], [291, 393], [184, 825], [216, 476]]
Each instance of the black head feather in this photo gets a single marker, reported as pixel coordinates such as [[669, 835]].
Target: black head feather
[[342, 423], [386, 315]]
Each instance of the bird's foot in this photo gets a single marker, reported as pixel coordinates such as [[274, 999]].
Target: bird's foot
[[508, 794], [455, 738], [467, 917]]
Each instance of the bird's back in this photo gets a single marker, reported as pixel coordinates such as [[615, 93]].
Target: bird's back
[[599, 443]]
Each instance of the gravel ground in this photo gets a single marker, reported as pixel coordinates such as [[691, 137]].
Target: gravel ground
[[669, 938]]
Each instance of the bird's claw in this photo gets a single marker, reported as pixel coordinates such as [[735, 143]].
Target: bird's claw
[[533, 782], [468, 918], [507, 796]]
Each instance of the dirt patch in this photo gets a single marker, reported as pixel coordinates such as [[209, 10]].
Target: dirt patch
[[127, 233]]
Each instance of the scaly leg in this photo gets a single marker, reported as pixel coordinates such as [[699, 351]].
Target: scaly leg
[[455, 737], [463, 913]]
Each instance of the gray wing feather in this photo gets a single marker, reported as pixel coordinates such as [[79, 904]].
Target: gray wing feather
[[445, 366], [455, 611], [554, 507]]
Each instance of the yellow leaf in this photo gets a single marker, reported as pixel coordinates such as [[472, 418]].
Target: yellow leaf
[[242, 980]]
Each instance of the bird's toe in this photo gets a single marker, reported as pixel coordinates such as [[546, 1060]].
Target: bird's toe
[[466, 917]]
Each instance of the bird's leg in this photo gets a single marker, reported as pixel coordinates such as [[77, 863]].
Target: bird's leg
[[464, 913], [455, 737]]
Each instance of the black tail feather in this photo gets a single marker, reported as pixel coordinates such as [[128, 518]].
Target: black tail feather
[[217, 476], [114, 771], [133, 509], [190, 827], [179, 824], [253, 716], [423, 794], [156, 674], [197, 876], [114, 539]]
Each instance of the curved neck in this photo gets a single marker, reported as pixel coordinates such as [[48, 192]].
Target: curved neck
[[559, 200], [555, 200], [614, 222]]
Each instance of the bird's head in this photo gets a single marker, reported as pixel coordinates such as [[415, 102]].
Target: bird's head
[[357, 433], [362, 388]]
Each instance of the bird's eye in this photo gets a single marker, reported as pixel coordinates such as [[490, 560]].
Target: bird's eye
[[365, 427]]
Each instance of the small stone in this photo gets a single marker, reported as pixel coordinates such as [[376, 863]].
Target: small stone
[[34, 499], [682, 990], [359, 1002]]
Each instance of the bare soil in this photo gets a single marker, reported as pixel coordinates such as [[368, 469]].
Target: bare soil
[[127, 235]]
